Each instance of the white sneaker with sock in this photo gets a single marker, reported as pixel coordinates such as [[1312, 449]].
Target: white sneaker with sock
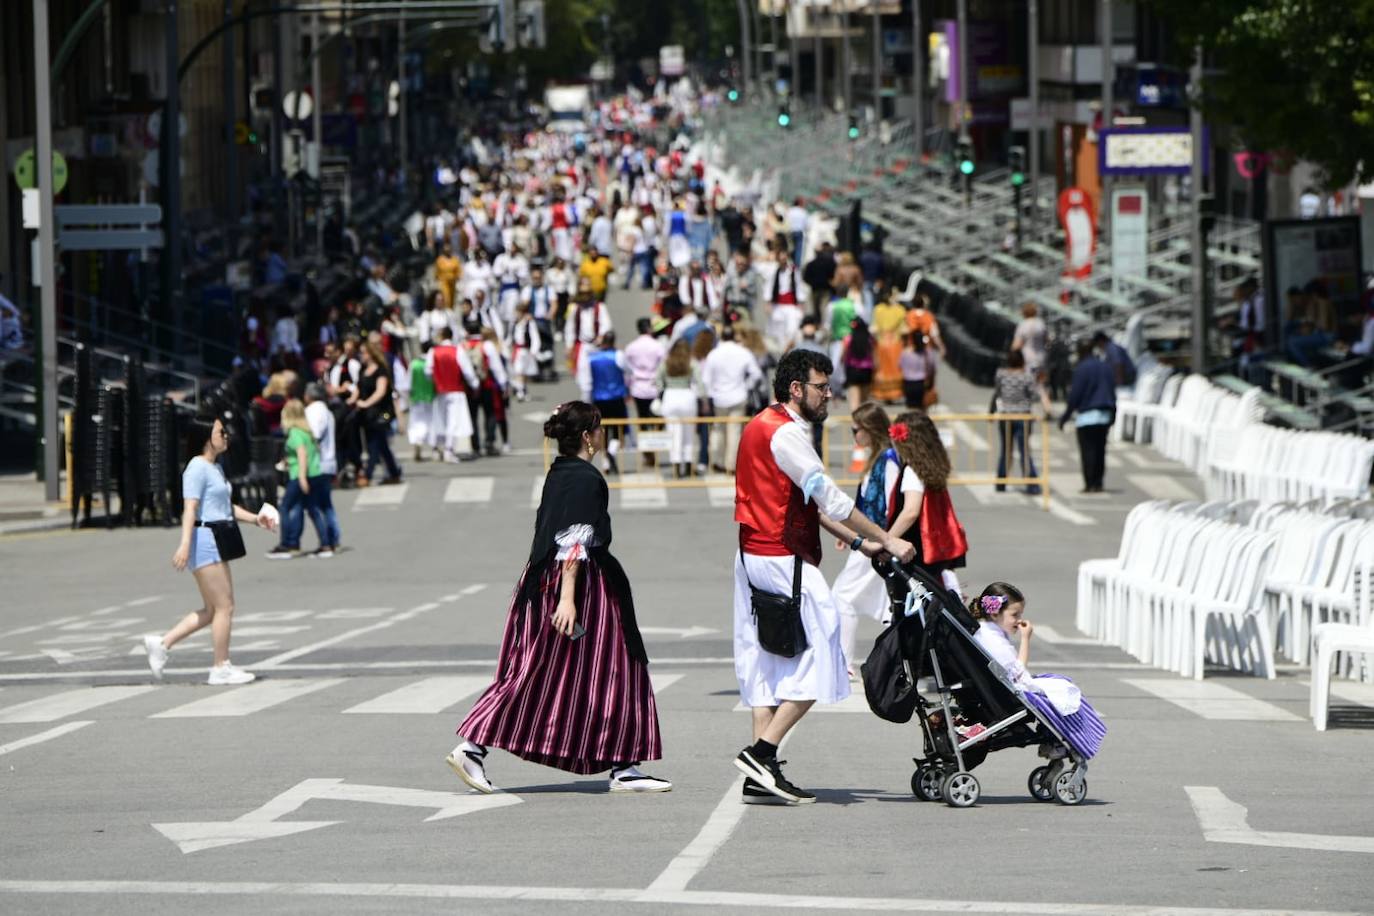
[[157, 654], [468, 761], [630, 779], [227, 675]]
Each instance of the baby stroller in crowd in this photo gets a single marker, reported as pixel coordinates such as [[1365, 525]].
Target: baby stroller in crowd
[[930, 645]]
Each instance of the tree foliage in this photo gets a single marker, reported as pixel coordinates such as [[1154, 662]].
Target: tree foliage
[[1292, 76]]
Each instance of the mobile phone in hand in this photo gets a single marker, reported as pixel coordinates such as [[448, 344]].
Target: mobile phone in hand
[[578, 632]]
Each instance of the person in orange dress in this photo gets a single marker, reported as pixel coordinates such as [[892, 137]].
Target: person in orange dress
[[889, 328], [447, 271]]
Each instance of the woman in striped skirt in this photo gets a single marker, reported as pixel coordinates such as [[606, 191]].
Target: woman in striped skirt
[[572, 686]]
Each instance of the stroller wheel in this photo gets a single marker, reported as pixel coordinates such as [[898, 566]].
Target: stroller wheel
[[925, 783], [960, 790], [1070, 789], [1039, 790]]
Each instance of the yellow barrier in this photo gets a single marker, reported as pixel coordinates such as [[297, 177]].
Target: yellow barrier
[[961, 441]]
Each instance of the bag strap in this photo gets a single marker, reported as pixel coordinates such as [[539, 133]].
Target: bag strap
[[796, 571]]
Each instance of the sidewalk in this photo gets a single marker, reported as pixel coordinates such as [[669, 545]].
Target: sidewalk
[[23, 508]]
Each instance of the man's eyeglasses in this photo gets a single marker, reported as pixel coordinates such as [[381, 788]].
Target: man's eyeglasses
[[822, 387]]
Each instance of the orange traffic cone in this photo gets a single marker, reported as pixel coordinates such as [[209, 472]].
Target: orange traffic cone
[[857, 459]]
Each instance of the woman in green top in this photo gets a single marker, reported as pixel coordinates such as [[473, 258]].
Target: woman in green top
[[302, 463]]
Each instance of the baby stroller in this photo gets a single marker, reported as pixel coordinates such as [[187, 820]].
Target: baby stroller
[[930, 645]]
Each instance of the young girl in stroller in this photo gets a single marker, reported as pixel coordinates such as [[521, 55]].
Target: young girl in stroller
[[1005, 635]]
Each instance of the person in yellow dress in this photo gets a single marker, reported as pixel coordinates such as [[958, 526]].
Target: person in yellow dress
[[888, 325], [447, 271]]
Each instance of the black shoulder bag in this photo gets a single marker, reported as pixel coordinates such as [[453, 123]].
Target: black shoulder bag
[[778, 617], [228, 538]]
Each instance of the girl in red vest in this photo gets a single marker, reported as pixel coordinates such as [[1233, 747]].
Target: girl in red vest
[[936, 533]]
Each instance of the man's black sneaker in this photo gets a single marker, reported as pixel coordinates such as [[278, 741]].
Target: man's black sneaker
[[767, 772], [755, 794]]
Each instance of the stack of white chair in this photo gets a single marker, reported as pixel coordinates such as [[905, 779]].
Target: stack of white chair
[[1353, 639], [1282, 465], [1134, 411]]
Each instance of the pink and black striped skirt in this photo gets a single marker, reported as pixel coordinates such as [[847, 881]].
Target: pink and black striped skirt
[[581, 706]]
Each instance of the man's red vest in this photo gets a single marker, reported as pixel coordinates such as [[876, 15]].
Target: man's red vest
[[774, 517], [448, 377]]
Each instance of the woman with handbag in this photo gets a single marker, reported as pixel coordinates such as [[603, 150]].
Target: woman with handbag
[[372, 398], [572, 686], [210, 538]]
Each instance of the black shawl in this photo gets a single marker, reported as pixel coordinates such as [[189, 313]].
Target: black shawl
[[575, 493]]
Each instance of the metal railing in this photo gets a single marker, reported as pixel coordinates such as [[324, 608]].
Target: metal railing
[[973, 456]]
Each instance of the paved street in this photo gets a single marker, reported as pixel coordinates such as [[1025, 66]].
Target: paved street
[[322, 786]]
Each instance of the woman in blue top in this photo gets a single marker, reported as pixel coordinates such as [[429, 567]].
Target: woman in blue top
[[858, 586], [205, 497]]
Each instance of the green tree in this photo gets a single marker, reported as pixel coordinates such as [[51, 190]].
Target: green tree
[[1291, 76]]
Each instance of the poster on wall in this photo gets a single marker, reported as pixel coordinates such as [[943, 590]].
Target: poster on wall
[[1319, 256]]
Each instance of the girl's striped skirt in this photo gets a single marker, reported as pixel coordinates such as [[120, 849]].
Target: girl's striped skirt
[[1083, 729], [581, 706]]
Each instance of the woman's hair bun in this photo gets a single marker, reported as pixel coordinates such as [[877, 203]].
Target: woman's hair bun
[[568, 422], [556, 425]]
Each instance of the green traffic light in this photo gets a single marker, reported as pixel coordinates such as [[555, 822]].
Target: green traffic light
[[853, 133], [1018, 178], [252, 137], [966, 166], [733, 95], [784, 119]]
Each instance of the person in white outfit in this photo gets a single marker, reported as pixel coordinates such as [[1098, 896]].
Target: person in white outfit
[[858, 589], [783, 498], [454, 377], [729, 373]]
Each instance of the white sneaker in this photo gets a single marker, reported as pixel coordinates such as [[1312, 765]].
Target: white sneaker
[[467, 761], [631, 779], [227, 675], [505, 448], [157, 654]]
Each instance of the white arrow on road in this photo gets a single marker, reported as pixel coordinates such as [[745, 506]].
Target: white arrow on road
[[680, 632], [1225, 821], [262, 824]]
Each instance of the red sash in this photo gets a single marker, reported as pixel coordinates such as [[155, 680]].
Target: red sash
[[942, 537]]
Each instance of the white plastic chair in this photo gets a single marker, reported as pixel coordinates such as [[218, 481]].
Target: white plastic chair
[[1332, 639]]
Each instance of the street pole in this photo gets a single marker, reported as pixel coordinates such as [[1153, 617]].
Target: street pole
[[773, 43], [1108, 106], [746, 65], [793, 55], [401, 101], [846, 65], [877, 64], [169, 157], [1199, 240], [231, 162], [317, 125], [47, 269], [819, 55], [757, 32], [918, 85], [962, 16], [1033, 73]]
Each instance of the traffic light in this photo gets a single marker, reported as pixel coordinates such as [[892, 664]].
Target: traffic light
[[963, 158], [1016, 161], [784, 115], [732, 95], [853, 127]]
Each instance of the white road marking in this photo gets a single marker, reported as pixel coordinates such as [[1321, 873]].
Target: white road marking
[[469, 490], [1225, 821], [139, 602], [856, 702], [106, 610], [246, 700], [662, 681], [380, 497], [1072, 516], [687, 864], [277, 660], [69, 703], [431, 695], [1211, 700], [679, 632], [720, 491], [268, 617], [537, 491], [1050, 635], [641, 497], [245, 632], [354, 613], [65, 728], [960, 428], [584, 895], [1132, 457], [262, 823], [1161, 486]]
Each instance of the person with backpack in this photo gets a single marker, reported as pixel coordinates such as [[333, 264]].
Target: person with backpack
[[857, 354]]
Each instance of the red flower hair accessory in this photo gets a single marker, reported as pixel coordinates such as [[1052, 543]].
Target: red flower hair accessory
[[898, 432]]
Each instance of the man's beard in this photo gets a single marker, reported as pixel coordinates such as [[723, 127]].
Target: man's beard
[[813, 414]]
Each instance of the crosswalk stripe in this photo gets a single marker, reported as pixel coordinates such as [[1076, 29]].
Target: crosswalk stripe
[[469, 490], [1132, 457], [641, 497], [537, 491], [856, 702], [662, 682], [248, 699], [1072, 516], [69, 703], [381, 497], [431, 695], [720, 491], [55, 732], [1161, 486], [1211, 700]]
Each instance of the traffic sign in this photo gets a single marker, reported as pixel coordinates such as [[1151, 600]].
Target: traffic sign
[[26, 171]]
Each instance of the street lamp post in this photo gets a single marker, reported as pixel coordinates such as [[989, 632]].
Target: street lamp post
[[1033, 77], [47, 269], [877, 62], [918, 88], [746, 63]]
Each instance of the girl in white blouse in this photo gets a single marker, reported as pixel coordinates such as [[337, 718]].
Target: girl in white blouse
[[1005, 635]]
